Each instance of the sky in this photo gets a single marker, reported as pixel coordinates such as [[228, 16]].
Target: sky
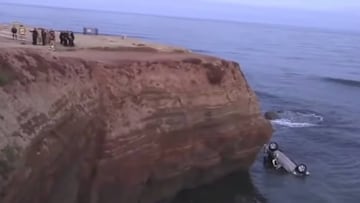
[[326, 13]]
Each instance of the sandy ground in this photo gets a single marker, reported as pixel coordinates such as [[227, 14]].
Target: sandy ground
[[86, 42]]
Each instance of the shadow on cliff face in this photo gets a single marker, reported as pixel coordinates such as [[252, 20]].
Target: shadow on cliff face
[[6, 73], [235, 188]]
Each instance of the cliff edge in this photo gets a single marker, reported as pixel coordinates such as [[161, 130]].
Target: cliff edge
[[106, 126]]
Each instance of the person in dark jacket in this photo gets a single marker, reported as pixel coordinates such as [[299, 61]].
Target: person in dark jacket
[[34, 36], [71, 39], [14, 32], [66, 38], [61, 36], [43, 37]]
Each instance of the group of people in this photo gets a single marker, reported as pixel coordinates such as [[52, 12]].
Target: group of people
[[67, 39], [41, 36], [15, 31]]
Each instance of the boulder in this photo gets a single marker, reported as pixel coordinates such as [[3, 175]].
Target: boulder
[[271, 115]]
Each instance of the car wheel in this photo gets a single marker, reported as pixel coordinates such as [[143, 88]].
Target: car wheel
[[301, 168], [273, 146]]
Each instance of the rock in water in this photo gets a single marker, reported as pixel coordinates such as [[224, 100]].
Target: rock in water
[[271, 115], [121, 126]]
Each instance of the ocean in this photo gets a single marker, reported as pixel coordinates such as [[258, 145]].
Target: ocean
[[311, 75]]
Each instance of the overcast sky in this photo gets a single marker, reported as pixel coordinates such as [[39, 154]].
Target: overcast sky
[[336, 13], [116, 4]]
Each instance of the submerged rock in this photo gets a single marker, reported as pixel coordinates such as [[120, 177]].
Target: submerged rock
[[271, 115], [122, 126]]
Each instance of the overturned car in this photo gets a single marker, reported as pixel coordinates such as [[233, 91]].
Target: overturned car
[[277, 159]]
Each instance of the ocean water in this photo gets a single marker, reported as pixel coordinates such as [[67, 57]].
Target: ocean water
[[311, 75]]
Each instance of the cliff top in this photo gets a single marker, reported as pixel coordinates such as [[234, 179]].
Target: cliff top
[[90, 42]]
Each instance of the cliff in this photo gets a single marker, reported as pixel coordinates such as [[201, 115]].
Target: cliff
[[106, 126]]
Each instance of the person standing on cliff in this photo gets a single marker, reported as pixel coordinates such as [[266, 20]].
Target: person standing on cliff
[[22, 33], [47, 36], [61, 36], [66, 38], [14, 32], [52, 39], [39, 38], [71, 39], [43, 37], [34, 36]]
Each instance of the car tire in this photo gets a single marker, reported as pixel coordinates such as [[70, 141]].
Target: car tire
[[273, 146], [301, 169]]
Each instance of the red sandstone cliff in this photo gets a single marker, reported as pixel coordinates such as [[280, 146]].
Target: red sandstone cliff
[[121, 126]]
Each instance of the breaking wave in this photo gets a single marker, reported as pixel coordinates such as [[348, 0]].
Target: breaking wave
[[298, 119]]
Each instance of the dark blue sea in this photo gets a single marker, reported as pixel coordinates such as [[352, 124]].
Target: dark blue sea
[[311, 75]]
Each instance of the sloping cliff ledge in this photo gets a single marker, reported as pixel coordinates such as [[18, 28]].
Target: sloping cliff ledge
[[121, 126]]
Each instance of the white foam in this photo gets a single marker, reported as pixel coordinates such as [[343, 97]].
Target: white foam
[[289, 123], [320, 118]]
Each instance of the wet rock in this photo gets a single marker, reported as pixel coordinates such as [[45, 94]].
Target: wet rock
[[271, 115]]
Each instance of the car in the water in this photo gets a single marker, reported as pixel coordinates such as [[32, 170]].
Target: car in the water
[[277, 159]]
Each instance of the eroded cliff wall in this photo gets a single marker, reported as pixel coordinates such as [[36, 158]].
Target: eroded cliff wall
[[114, 126]]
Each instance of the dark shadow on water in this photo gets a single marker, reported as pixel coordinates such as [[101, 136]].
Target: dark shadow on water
[[342, 81], [235, 188]]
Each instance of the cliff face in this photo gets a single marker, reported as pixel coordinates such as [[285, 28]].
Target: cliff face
[[121, 126]]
